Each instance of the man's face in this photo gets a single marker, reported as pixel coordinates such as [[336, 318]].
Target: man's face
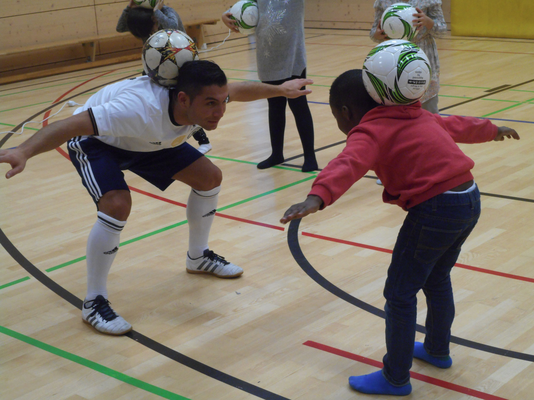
[[208, 107]]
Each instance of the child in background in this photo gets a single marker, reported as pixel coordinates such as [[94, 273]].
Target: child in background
[[142, 23], [430, 23], [443, 204], [281, 56]]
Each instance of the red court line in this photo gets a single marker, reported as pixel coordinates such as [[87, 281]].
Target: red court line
[[478, 269], [414, 375]]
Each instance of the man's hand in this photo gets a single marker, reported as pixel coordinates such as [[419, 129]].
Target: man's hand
[[293, 87], [309, 206], [15, 158], [506, 132]]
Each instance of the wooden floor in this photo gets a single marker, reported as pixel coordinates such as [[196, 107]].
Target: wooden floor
[[274, 333]]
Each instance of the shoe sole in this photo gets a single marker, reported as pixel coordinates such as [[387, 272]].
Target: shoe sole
[[108, 333], [189, 271]]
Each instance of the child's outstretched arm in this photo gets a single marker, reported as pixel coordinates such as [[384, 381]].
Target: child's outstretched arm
[[309, 206]]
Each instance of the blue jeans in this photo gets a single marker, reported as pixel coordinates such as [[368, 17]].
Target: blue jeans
[[427, 248]]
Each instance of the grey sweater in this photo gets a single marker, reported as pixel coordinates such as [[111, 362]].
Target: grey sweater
[[167, 19], [280, 49]]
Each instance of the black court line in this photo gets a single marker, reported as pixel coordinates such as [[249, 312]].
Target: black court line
[[508, 87], [137, 336], [298, 255], [497, 88]]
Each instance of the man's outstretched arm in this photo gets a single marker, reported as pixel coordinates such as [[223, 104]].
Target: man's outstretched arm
[[250, 91]]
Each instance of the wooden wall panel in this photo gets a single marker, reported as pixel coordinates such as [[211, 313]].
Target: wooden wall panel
[[47, 27], [12, 8]]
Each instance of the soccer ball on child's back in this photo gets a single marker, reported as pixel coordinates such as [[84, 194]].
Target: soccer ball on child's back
[[396, 72], [146, 3], [397, 21], [165, 52], [245, 12]]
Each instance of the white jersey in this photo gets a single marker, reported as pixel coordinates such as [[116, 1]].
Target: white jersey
[[134, 115]]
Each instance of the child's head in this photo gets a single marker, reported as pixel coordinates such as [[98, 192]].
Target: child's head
[[141, 22], [349, 100]]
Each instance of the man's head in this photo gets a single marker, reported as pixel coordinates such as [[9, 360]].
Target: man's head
[[201, 94], [349, 100]]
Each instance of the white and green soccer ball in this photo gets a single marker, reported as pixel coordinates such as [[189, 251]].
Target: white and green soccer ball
[[245, 12], [146, 3], [396, 72], [164, 53], [397, 21]]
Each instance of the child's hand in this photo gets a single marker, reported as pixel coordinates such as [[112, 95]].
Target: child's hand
[[380, 35], [309, 206], [230, 23], [422, 20], [131, 4], [159, 5], [506, 132]]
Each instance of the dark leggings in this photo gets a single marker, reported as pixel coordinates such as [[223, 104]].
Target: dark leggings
[[277, 123]]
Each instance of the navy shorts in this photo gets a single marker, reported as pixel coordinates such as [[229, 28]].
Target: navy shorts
[[100, 165]]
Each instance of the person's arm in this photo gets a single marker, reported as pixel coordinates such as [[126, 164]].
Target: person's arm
[[167, 18], [377, 34], [229, 22], [338, 176], [122, 24], [250, 91], [46, 139], [474, 130], [433, 22]]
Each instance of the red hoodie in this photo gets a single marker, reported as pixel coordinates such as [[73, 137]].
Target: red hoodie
[[411, 150]]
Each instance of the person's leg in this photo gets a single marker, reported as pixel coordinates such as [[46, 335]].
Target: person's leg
[[303, 118], [205, 179], [431, 105], [204, 145], [304, 121], [101, 175], [277, 126]]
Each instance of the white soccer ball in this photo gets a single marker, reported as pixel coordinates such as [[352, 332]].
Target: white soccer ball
[[245, 12], [397, 21], [396, 72], [146, 3], [165, 52]]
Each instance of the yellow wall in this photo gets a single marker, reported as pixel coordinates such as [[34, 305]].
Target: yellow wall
[[493, 18]]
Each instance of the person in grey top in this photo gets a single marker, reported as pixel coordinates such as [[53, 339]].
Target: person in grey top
[[281, 56], [430, 23], [142, 23]]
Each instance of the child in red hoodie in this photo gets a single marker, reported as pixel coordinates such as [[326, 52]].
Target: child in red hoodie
[[423, 171]]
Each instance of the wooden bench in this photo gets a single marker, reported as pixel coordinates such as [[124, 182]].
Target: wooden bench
[[194, 29]]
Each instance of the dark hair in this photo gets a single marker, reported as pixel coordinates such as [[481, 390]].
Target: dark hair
[[193, 76], [348, 90], [140, 22]]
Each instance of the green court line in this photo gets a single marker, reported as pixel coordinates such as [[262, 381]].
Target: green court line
[[507, 108], [133, 240], [14, 282], [255, 163], [93, 365]]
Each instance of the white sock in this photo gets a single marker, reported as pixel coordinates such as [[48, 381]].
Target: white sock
[[102, 247], [200, 213]]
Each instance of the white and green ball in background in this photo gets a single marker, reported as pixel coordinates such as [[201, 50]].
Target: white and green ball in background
[[164, 53], [396, 72], [146, 3], [245, 12], [397, 21]]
